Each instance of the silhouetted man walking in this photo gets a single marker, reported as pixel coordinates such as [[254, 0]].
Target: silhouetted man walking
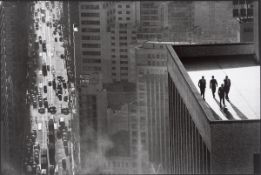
[[213, 84], [221, 93], [227, 84], [202, 86]]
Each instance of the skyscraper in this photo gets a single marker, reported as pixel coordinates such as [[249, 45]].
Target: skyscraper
[[152, 111]]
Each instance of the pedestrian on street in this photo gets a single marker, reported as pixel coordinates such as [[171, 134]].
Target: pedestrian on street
[[213, 84], [221, 93], [202, 86], [227, 84]]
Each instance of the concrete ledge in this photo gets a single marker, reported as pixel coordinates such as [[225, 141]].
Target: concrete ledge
[[208, 50], [200, 113]]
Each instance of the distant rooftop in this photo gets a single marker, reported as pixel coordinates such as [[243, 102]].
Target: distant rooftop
[[245, 85]]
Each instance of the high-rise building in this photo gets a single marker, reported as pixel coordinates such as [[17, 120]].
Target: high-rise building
[[153, 20], [243, 11], [152, 110], [106, 31], [13, 55]]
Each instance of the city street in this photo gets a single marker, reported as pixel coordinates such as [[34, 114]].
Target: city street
[[52, 88]]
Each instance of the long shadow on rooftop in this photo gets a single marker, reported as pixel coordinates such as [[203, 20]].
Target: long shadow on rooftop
[[225, 112], [239, 113]]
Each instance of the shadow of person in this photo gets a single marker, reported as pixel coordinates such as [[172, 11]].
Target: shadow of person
[[225, 111], [239, 113]]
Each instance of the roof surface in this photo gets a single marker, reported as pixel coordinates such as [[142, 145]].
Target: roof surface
[[245, 86]]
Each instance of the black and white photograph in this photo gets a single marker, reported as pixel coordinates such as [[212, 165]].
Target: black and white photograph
[[130, 87]]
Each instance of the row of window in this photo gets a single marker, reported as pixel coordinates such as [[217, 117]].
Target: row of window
[[127, 6], [120, 12], [86, 22], [90, 29], [91, 60], [121, 56], [91, 37], [120, 18], [91, 45], [85, 14], [121, 50], [122, 74], [95, 53], [121, 44], [89, 6]]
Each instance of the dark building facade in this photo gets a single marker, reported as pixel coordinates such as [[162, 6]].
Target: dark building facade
[[14, 54]]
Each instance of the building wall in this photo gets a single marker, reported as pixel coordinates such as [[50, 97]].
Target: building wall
[[189, 153], [152, 101], [233, 146], [201, 50]]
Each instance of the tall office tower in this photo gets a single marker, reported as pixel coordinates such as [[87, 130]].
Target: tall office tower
[[13, 54], [243, 11], [122, 29], [107, 29], [152, 112], [153, 20], [214, 22], [93, 106], [180, 21]]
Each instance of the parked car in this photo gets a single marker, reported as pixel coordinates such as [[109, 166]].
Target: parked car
[[45, 89], [65, 111], [41, 110]]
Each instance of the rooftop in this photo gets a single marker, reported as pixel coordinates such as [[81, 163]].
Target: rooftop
[[244, 94]]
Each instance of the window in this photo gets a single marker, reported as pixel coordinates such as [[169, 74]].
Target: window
[[113, 68], [91, 61], [128, 18], [123, 56], [123, 50], [127, 6], [123, 38], [91, 53], [90, 37], [123, 31], [113, 38], [89, 6], [113, 56], [120, 18], [86, 22], [113, 44], [85, 45], [120, 6], [119, 12], [90, 30], [127, 12], [242, 12], [124, 62], [113, 62], [123, 44], [90, 14], [114, 73], [124, 68], [113, 50]]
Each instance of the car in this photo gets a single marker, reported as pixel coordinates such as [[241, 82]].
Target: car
[[55, 39], [40, 102], [62, 56], [65, 98], [34, 104], [48, 67], [61, 39], [65, 111], [52, 110], [45, 89], [46, 103], [54, 85], [41, 110], [60, 97], [64, 164], [64, 85]]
